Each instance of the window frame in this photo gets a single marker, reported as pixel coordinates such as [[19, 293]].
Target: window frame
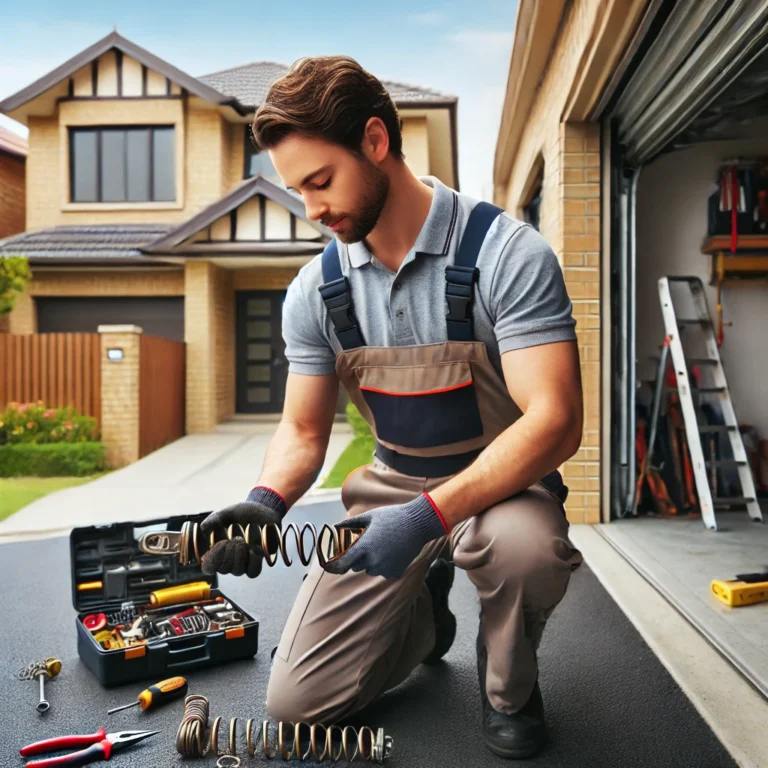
[[73, 130]]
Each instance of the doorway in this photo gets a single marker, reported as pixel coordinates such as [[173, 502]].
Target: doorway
[[262, 369]]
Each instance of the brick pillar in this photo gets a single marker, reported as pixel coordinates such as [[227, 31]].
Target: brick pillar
[[120, 359], [577, 243], [199, 334]]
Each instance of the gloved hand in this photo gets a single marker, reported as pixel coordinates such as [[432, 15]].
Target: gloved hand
[[234, 556], [392, 538]]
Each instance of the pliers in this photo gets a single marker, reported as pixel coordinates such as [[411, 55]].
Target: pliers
[[102, 745]]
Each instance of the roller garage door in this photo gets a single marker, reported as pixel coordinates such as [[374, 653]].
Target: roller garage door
[[156, 315]]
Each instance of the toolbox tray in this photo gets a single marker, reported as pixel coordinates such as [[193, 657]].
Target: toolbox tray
[[110, 555]]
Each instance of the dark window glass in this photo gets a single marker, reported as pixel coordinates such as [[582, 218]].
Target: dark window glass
[[163, 168], [532, 211], [137, 161], [259, 162], [85, 187], [114, 165]]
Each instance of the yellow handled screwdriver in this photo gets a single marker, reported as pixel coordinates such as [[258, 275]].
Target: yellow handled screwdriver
[[155, 695]]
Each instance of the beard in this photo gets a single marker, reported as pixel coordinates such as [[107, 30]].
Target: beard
[[373, 198]]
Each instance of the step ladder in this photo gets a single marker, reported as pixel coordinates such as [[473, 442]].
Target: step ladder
[[698, 332]]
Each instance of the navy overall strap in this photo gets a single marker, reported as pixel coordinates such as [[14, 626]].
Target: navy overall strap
[[337, 298], [461, 277]]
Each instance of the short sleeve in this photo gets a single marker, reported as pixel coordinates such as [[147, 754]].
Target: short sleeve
[[306, 348], [529, 300]]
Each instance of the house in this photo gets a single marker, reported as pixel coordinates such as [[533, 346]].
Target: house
[[618, 121], [13, 157], [147, 205]]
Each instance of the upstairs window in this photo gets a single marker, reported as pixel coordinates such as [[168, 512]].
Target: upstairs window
[[258, 162], [122, 165], [532, 211]]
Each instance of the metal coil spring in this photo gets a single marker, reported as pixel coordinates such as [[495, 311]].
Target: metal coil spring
[[271, 538], [300, 740]]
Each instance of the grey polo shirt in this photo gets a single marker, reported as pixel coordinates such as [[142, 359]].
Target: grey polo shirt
[[520, 296]]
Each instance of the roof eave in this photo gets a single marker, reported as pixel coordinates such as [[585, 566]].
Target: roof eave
[[115, 40]]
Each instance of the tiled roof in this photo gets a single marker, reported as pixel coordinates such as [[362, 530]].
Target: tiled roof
[[86, 242], [250, 83], [13, 143]]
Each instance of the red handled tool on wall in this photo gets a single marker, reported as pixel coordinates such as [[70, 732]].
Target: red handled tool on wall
[[100, 746]]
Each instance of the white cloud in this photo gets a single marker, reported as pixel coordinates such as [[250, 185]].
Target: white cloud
[[428, 18]]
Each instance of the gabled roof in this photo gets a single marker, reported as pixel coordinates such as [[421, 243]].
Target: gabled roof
[[86, 244], [257, 185], [250, 83], [12, 143], [114, 40]]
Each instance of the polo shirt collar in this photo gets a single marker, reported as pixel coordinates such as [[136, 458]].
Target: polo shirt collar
[[435, 235]]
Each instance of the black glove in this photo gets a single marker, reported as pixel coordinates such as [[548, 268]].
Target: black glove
[[234, 556]]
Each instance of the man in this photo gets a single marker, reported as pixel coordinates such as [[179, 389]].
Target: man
[[448, 323]]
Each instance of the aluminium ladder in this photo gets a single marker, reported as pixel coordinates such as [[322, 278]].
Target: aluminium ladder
[[717, 387]]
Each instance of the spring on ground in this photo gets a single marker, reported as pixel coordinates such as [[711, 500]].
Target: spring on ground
[[300, 740], [272, 540]]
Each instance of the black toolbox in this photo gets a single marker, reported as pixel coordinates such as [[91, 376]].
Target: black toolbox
[[113, 577]]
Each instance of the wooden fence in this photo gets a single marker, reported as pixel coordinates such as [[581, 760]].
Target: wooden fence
[[61, 369], [162, 389]]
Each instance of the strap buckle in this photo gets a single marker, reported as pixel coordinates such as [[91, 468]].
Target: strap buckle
[[338, 302], [459, 292]]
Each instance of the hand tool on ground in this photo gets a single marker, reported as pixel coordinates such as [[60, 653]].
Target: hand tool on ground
[[41, 670], [100, 745], [155, 695], [746, 589]]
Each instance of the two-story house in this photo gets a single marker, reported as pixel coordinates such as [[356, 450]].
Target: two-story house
[[147, 205]]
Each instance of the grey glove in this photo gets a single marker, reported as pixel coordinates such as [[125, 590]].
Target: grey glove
[[393, 537], [263, 506]]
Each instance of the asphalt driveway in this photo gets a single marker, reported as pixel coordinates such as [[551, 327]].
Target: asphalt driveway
[[194, 474]]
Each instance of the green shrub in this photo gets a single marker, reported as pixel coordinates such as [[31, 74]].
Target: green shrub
[[51, 459], [14, 278], [37, 424], [359, 424]]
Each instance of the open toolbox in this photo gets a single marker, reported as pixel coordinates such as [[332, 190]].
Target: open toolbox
[[140, 616]]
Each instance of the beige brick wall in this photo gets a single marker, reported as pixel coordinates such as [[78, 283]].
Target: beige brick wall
[[23, 318], [12, 203], [147, 282], [570, 221], [264, 279], [120, 396], [224, 339], [206, 166], [234, 155], [209, 329]]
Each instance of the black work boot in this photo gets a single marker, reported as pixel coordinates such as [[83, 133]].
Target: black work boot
[[439, 580], [517, 735]]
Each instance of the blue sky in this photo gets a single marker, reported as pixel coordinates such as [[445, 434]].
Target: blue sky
[[453, 46]]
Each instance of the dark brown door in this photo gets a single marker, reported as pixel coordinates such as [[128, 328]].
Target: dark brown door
[[261, 365]]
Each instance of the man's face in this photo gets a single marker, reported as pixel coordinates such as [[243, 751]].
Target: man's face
[[341, 190]]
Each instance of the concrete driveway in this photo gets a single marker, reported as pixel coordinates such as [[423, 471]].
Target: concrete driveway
[[194, 474]]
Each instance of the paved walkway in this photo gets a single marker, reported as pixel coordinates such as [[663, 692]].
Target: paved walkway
[[194, 474]]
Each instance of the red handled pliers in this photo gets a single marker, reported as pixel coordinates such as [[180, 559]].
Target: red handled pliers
[[100, 745]]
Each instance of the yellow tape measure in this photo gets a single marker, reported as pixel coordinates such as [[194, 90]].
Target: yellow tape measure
[[738, 593]]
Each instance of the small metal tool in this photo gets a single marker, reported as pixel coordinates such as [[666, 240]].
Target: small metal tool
[[41, 670]]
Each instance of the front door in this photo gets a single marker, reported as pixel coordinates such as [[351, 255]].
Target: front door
[[261, 365]]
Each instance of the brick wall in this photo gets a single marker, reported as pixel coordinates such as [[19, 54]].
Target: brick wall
[[570, 221], [148, 282], [12, 202], [224, 339], [120, 395], [264, 279], [23, 318]]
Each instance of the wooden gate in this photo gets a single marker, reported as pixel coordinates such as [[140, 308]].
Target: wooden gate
[[162, 389], [61, 369]]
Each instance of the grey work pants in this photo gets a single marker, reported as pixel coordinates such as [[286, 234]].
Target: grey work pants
[[351, 637]]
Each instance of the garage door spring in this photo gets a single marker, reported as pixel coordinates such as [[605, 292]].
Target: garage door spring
[[190, 543], [287, 740]]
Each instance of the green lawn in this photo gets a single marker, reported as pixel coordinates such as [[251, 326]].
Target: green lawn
[[357, 453], [17, 492]]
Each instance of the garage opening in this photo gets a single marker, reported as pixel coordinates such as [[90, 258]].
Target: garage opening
[[688, 149], [156, 315]]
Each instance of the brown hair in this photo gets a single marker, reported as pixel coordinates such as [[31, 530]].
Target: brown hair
[[331, 97]]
